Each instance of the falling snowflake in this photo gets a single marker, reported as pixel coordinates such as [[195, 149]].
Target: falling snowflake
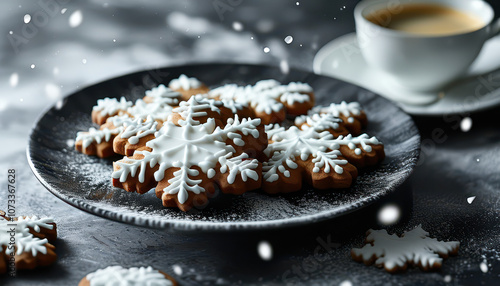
[[75, 19]]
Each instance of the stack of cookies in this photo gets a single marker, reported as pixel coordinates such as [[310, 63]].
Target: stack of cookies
[[186, 140]]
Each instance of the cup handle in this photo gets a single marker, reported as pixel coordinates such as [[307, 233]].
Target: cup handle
[[495, 29]]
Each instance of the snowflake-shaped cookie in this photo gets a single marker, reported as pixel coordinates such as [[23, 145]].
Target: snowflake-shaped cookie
[[188, 86], [115, 116], [26, 240], [268, 99], [319, 158], [130, 133], [184, 161], [117, 275], [395, 253], [352, 115]]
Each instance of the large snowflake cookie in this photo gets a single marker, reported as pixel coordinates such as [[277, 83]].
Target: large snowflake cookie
[[135, 276], [268, 99], [197, 149], [395, 253], [25, 242]]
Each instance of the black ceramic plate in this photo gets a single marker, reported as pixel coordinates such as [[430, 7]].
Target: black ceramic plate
[[85, 182]]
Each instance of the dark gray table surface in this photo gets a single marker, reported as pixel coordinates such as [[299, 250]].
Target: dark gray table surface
[[60, 54]]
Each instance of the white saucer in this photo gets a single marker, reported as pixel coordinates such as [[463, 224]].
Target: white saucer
[[478, 90]]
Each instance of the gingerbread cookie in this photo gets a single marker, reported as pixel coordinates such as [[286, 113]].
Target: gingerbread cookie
[[188, 86], [109, 107], [26, 242], [121, 115], [135, 276], [353, 117], [268, 99], [395, 253], [193, 152], [325, 162]]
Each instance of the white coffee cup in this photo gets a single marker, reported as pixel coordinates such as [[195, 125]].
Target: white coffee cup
[[422, 62]]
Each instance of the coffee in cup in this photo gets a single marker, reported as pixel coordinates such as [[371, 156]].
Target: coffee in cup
[[422, 45]]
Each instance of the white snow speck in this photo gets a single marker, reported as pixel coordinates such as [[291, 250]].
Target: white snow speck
[[55, 71], [345, 283], [27, 18], [389, 214], [237, 26], [177, 269], [21, 99], [32, 66], [84, 61], [265, 250], [267, 50], [114, 40], [297, 3], [70, 142], [477, 160], [251, 38], [59, 105], [471, 199], [63, 10], [288, 40], [10, 32], [483, 267], [466, 124], [447, 279], [75, 19], [14, 79], [52, 91], [285, 69]]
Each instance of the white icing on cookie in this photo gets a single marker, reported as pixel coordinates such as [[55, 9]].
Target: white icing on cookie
[[344, 108], [96, 135], [138, 128], [265, 95], [185, 83], [126, 127], [164, 95], [111, 106], [192, 145], [135, 276], [25, 241], [157, 110], [414, 247], [233, 105], [319, 122], [195, 107], [290, 98], [294, 144]]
